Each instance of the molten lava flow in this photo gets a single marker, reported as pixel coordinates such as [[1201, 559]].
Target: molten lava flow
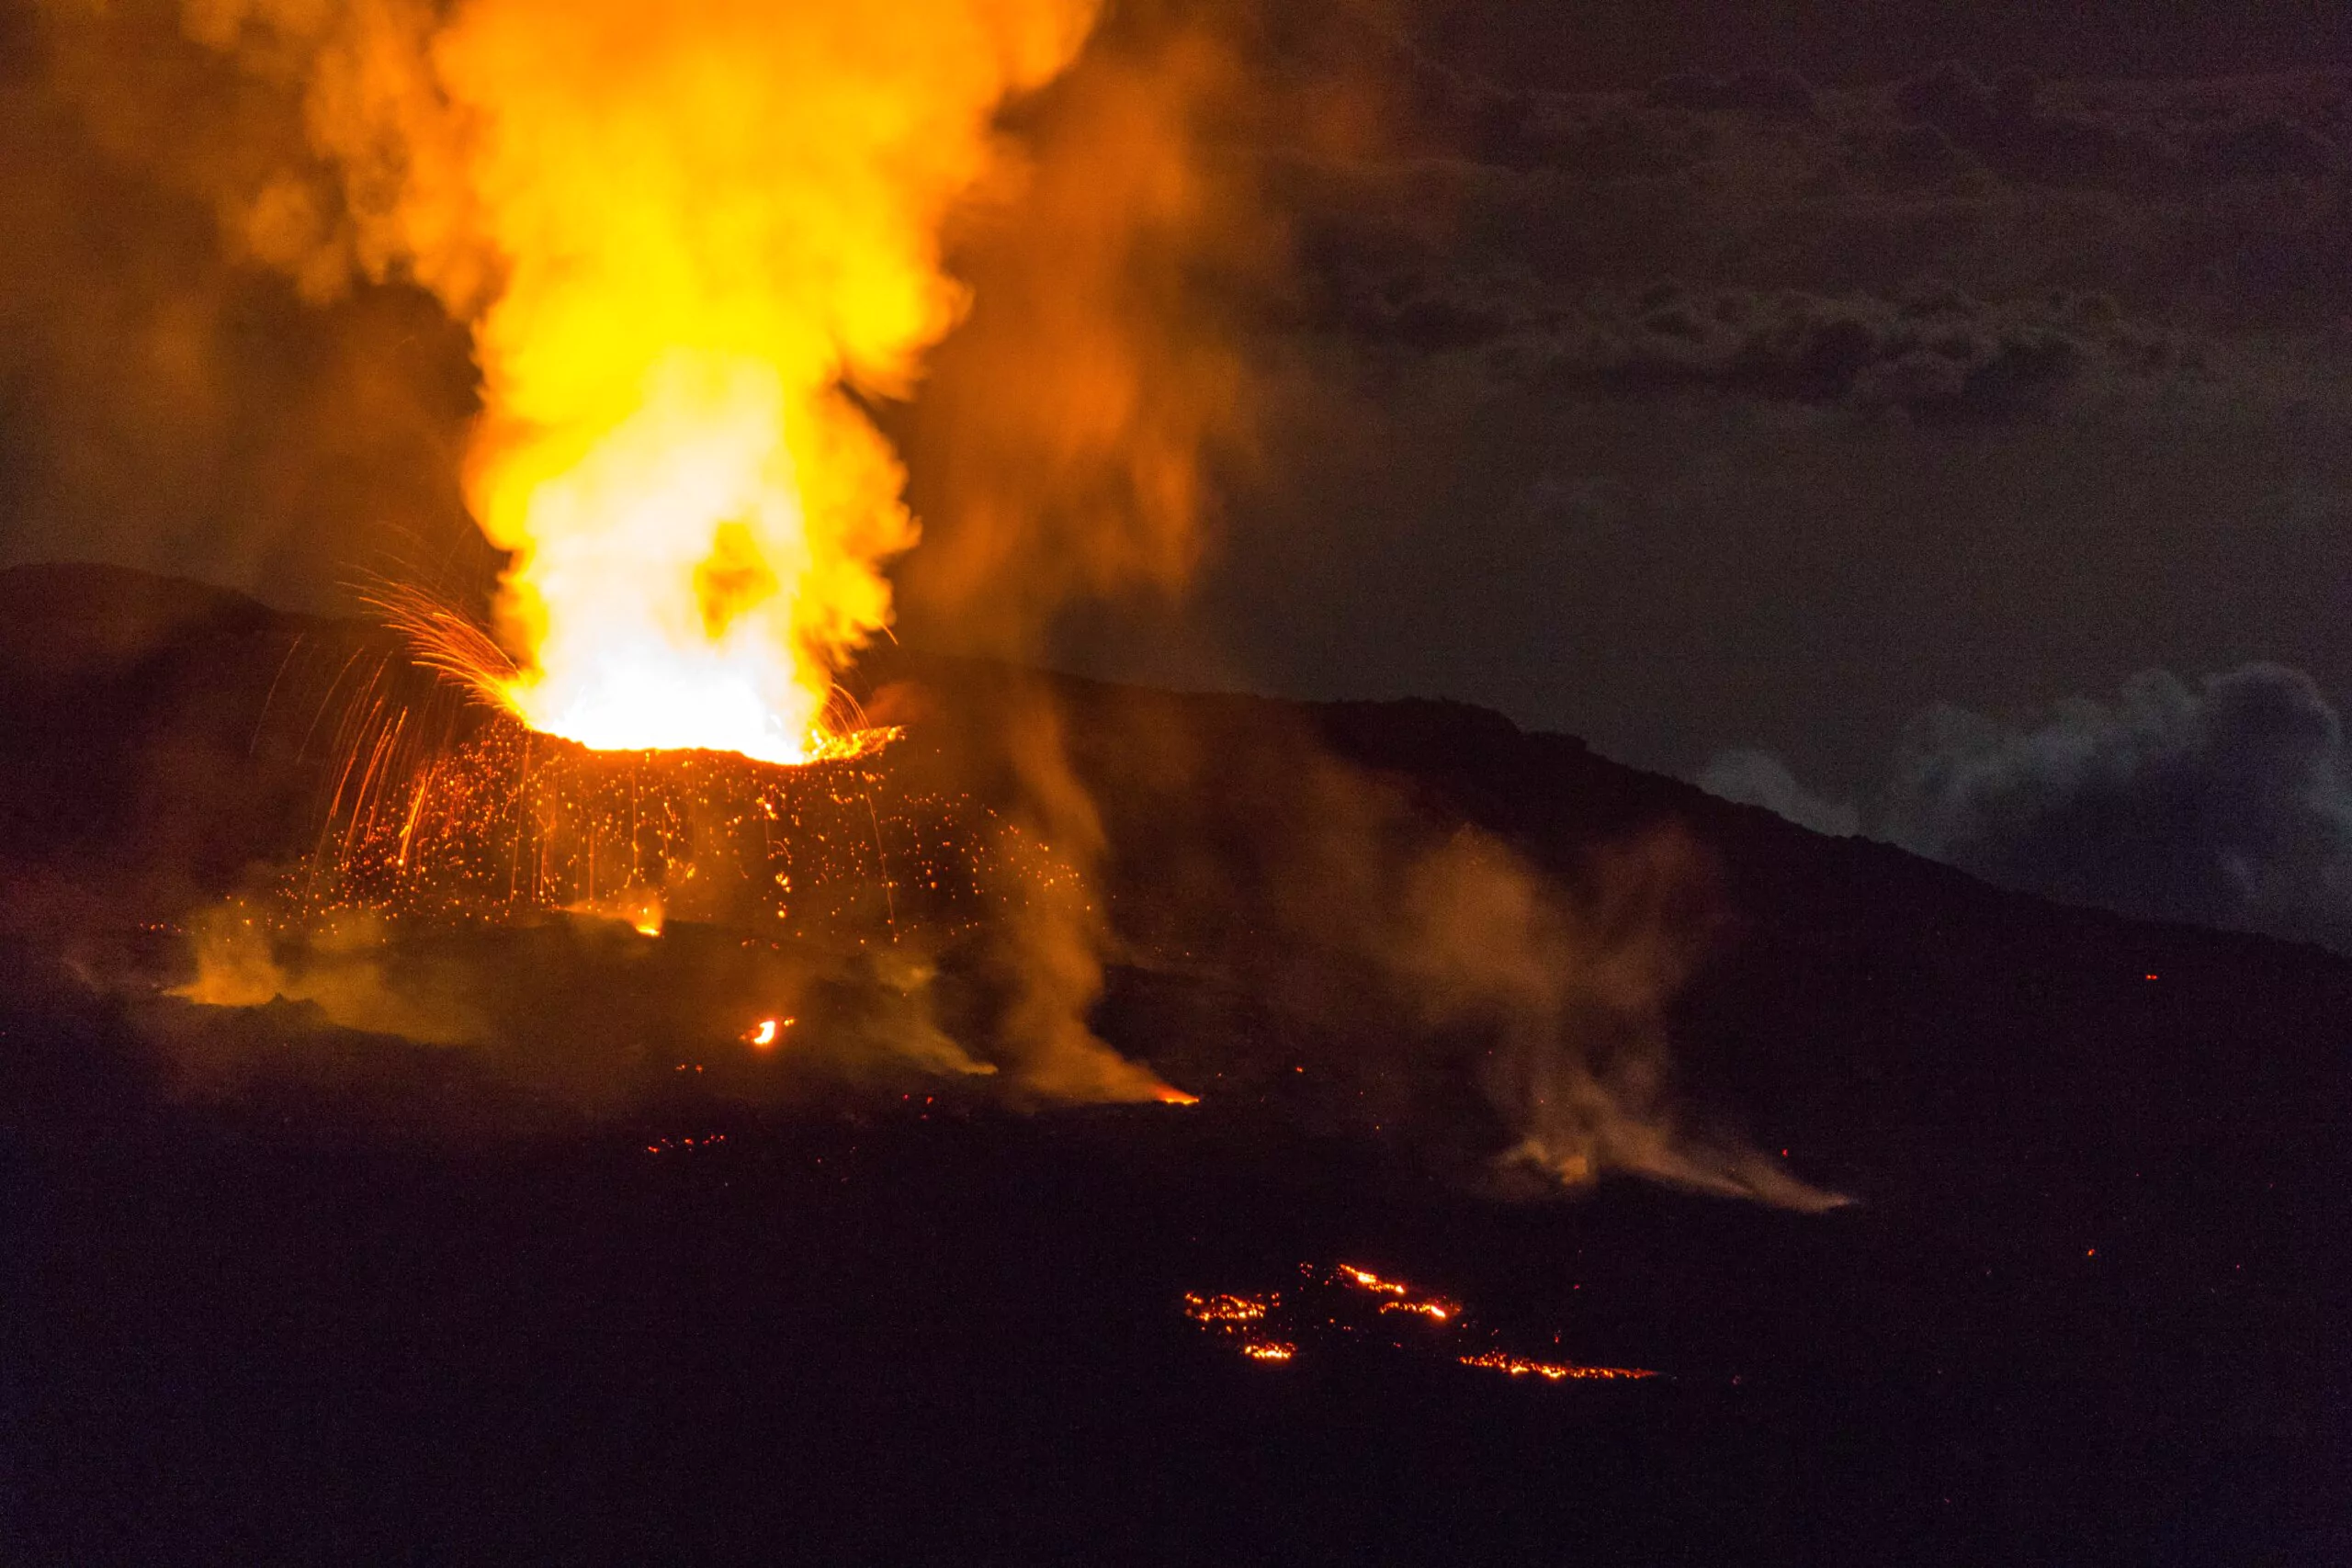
[[1329, 1308], [1551, 1372], [1435, 1310], [1369, 1280], [1226, 1310]]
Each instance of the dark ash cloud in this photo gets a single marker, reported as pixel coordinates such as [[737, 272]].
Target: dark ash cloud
[[2225, 803], [1934, 353]]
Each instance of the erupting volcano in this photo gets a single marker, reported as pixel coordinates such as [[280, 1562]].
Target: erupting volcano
[[714, 968], [695, 250]]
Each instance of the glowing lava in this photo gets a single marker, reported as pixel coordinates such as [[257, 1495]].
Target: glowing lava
[[1370, 1280], [1552, 1372], [1328, 1308], [1225, 1309]]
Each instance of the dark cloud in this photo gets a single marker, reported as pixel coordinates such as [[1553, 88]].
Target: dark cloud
[[1981, 382], [2150, 143], [2199, 204], [1605, 43], [1931, 350], [1936, 355], [1767, 94], [2226, 802]]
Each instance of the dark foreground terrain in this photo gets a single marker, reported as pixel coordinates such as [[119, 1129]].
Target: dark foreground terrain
[[2089, 1307]]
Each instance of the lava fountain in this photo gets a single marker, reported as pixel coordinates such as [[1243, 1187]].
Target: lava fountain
[[693, 242]]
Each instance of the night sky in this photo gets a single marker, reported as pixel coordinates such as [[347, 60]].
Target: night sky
[[1923, 419]]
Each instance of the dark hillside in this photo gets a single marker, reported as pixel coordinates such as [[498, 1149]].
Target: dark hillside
[[2088, 1307]]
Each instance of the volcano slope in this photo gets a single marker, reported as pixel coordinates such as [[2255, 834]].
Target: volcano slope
[[282, 1290]]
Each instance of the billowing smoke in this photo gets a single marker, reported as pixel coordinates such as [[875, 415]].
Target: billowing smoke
[[1573, 985], [167, 403], [1439, 976], [2226, 801], [793, 243]]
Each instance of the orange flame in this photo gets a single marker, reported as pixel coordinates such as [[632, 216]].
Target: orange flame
[[691, 240], [710, 224]]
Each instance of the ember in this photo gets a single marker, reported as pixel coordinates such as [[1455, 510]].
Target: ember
[[1227, 1309], [670, 1145], [506, 822]]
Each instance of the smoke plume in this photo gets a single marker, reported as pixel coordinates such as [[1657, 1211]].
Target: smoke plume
[[1573, 986], [1448, 986]]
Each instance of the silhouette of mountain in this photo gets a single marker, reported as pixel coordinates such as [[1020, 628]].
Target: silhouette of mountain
[[2087, 1307]]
